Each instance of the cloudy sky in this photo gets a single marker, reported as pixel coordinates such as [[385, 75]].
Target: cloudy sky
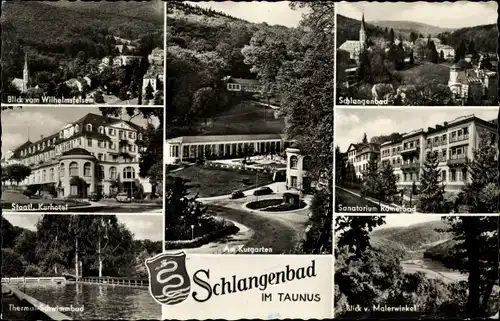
[[143, 226], [19, 124], [273, 13], [446, 15], [350, 124]]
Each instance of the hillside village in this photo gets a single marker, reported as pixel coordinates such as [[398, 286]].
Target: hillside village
[[391, 65], [104, 65]]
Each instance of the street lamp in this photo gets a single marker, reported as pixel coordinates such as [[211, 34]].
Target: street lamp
[[192, 232]]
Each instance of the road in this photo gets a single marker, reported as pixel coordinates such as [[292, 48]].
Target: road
[[277, 231]]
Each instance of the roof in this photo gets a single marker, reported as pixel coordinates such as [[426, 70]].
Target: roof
[[243, 81], [350, 45], [223, 138], [18, 83], [95, 120]]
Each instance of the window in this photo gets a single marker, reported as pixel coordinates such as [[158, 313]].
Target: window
[[139, 136], [128, 173], [101, 130], [120, 134], [130, 135], [111, 145], [111, 132], [87, 169], [464, 174], [61, 170], [112, 172], [73, 169], [88, 127], [54, 141], [61, 135], [293, 181], [443, 155], [77, 128], [52, 174], [44, 175], [99, 156], [100, 143], [453, 175], [293, 162], [443, 176], [100, 172], [89, 142]]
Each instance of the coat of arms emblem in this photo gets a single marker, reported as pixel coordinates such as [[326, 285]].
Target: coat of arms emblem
[[169, 282]]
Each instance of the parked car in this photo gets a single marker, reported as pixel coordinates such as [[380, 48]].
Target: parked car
[[237, 194], [263, 191], [122, 198], [95, 197]]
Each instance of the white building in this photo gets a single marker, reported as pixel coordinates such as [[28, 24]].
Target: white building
[[297, 166], [102, 151], [355, 47]]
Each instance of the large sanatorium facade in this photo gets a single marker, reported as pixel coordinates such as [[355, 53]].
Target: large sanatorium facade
[[100, 150], [453, 141]]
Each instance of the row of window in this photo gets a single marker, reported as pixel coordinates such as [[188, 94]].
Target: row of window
[[190, 151], [128, 173], [122, 134]]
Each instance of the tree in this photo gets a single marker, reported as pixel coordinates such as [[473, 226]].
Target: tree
[[204, 99], [413, 36], [98, 97], [24, 244], [481, 192], [365, 139], [388, 182], [460, 52], [17, 172], [391, 36], [477, 238], [149, 92], [364, 71], [372, 184], [431, 187]]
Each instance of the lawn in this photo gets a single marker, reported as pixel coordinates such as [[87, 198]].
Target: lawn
[[219, 181], [245, 118], [424, 74]]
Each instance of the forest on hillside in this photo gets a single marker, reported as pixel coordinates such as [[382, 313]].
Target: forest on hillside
[[368, 271], [62, 42], [104, 245], [484, 37]]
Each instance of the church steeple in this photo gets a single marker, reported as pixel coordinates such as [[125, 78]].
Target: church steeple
[[26, 76], [362, 33]]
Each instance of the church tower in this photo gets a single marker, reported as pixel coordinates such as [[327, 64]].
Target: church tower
[[26, 76], [362, 34]]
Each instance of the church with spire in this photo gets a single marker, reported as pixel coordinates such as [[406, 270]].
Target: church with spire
[[356, 47], [23, 84]]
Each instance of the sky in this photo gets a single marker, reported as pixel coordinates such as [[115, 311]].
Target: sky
[[273, 13], [351, 124], [143, 226], [43, 121], [445, 15]]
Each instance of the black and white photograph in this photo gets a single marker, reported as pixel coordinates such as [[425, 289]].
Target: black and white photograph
[[416, 267], [82, 159], [83, 52], [417, 54], [78, 267], [249, 152], [417, 160]]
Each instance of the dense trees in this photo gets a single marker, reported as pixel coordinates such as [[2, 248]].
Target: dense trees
[[101, 245], [15, 173], [431, 199]]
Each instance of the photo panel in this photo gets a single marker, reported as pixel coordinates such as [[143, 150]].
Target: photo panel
[[248, 151], [81, 53], [432, 57], [416, 267], [78, 267], [82, 159], [417, 160]]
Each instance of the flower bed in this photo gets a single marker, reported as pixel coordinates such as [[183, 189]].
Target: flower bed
[[226, 228], [284, 207], [257, 205]]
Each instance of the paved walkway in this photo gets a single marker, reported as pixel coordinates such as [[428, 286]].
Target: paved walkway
[[226, 245]]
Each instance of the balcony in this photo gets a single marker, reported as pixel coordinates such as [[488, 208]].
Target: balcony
[[410, 166], [410, 150], [459, 138], [457, 161]]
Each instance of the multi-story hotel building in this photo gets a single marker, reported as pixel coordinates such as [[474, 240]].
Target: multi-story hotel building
[[100, 150], [453, 141], [185, 148], [359, 155]]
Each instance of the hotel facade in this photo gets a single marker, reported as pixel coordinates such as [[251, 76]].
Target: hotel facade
[[101, 151], [453, 141]]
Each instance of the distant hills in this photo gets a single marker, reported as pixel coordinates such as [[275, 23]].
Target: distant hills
[[405, 27], [484, 36]]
